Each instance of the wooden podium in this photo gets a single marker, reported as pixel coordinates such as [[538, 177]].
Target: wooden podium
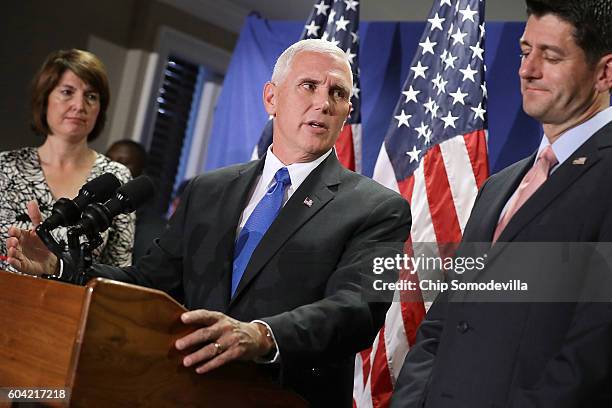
[[112, 345]]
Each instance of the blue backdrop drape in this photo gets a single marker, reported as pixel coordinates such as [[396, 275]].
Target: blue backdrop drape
[[386, 53]]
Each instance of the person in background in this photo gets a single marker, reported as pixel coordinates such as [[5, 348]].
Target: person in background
[[70, 95], [149, 222], [129, 153]]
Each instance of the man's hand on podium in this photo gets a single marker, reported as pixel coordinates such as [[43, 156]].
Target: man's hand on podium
[[222, 339], [26, 252]]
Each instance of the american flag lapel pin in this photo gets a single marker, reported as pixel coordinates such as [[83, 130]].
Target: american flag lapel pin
[[308, 202], [579, 161]]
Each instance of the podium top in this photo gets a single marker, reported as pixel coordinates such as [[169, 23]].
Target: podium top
[[112, 343]]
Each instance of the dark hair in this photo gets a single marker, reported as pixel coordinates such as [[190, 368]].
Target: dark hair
[[591, 19], [83, 64], [136, 147], [137, 160]]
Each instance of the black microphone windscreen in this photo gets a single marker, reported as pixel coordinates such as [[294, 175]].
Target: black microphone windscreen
[[68, 212], [101, 188], [137, 191]]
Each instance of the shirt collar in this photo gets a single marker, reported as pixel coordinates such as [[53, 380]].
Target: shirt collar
[[575, 137], [297, 171]]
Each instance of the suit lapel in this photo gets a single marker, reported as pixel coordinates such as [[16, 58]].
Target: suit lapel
[[559, 181], [498, 195], [292, 216], [233, 202], [562, 179]]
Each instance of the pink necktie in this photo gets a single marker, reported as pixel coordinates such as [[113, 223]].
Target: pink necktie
[[535, 177]]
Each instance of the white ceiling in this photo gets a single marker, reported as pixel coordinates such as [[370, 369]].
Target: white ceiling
[[229, 14]]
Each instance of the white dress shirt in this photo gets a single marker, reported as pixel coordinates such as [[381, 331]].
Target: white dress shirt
[[298, 173], [569, 142]]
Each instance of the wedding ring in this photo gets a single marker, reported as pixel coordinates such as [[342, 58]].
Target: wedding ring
[[218, 348]]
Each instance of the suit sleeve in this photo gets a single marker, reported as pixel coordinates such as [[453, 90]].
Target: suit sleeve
[[161, 268], [322, 330], [579, 374], [411, 386]]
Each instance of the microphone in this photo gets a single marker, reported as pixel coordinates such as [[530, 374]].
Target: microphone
[[67, 212], [98, 217]]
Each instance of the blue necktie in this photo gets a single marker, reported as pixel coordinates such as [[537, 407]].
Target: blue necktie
[[258, 223]]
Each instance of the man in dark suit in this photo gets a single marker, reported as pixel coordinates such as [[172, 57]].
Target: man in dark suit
[[538, 353], [297, 302]]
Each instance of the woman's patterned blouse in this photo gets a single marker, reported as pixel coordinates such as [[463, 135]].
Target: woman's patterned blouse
[[22, 180]]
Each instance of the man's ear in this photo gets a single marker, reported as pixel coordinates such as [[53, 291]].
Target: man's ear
[[604, 78], [348, 115], [269, 98]]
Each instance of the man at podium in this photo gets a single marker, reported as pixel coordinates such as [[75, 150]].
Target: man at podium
[[271, 257]]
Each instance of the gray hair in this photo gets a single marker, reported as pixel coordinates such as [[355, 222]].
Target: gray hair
[[309, 45]]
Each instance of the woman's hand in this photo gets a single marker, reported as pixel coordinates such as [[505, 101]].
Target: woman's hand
[[26, 252]]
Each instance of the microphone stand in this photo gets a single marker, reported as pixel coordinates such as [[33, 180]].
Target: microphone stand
[[84, 249], [97, 217]]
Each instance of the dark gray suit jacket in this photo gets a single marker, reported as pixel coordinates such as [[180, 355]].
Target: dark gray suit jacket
[[523, 354], [305, 277]]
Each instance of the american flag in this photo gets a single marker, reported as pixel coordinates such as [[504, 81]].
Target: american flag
[[434, 155], [336, 21]]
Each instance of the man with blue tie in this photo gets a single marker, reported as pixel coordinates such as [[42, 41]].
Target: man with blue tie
[[536, 351], [270, 256]]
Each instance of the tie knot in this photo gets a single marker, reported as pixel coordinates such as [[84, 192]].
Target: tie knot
[[282, 176], [548, 156]]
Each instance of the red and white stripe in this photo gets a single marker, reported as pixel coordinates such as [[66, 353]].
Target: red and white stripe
[[348, 147], [441, 194]]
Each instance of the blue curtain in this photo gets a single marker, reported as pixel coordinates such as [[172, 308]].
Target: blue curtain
[[386, 52]]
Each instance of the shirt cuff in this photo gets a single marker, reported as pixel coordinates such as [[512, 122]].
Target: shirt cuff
[[61, 269], [276, 358]]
